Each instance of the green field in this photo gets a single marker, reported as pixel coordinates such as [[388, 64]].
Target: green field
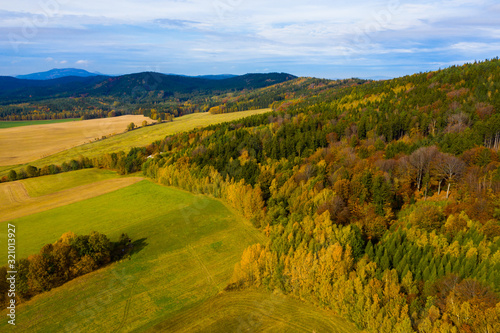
[[186, 249], [10, 124], [254, 311], [40, 186], [136, 138]]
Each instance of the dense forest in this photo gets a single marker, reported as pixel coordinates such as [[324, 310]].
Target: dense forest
[[150, 94], [380, 200]]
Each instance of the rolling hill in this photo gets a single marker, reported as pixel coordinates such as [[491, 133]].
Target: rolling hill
[[130, 87]]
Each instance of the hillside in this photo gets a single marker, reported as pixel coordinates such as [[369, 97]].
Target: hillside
[[129, 88], [380, 200], [184, 253]]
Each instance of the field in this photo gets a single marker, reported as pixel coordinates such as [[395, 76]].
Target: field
[[37, 187], [10, 124], [29, 143], [136, 138], [17, 202], [186, 249], [254, 311]]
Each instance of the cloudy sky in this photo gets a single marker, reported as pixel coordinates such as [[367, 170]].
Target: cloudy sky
[[322, 38]]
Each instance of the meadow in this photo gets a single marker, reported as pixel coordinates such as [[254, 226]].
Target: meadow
[[185, 250], [11, 124], [139, 137]]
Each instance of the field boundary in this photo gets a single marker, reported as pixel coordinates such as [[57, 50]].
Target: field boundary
[[20, 208]]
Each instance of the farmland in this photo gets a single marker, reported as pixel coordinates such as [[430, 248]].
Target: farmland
[[11, 124], [10, 158], [38, 141]]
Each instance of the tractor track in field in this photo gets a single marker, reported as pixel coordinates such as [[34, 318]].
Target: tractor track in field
[[15, 201]]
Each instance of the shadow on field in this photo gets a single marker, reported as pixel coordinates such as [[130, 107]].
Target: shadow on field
[[138, 246]]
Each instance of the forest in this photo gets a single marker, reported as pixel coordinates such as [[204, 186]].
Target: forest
[[380, 200], [151, 94]]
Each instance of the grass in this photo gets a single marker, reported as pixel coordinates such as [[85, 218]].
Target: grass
[[41, 186], [27, 144], [10, 124], [17, 202], [177, 268], [254, 311], [136, 138]]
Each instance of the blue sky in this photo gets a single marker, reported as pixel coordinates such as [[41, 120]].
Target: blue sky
[[330, 39]]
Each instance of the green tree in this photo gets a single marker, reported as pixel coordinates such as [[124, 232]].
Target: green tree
[[130, 127], [12, 175]]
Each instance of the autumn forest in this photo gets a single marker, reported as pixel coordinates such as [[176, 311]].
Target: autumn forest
[[379, 200]]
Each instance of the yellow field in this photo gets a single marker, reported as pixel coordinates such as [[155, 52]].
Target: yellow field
[[29, 143], [136, 138], [16, 201]]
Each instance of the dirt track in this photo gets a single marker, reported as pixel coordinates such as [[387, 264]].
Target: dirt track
[[15, 201]]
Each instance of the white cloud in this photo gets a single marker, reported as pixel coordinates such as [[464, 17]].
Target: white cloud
[[233, 31]]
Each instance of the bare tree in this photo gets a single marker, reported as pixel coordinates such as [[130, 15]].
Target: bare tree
[[449, 168], [419, 162]]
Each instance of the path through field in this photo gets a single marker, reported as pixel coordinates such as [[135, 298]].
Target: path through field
[[15, 201]]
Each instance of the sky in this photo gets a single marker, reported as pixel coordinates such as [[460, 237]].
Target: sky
[[327, 39]]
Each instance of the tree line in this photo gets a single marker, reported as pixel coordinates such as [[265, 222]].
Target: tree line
[[69, 257]]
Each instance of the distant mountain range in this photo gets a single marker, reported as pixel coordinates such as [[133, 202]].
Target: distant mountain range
[[57, 73], [131, 86]]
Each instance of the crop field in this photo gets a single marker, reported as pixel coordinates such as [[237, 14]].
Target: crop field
[[10, 124], [29, 143], [136, 138], [186, 247]]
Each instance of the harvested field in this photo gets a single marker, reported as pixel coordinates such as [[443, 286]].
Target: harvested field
[[29, 143]]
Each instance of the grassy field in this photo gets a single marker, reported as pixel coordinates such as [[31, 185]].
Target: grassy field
[[136, 138], [254, 311], [10, 124], [191, 244], [29, 143], [186, 249], [16, 201], [40, 186]]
